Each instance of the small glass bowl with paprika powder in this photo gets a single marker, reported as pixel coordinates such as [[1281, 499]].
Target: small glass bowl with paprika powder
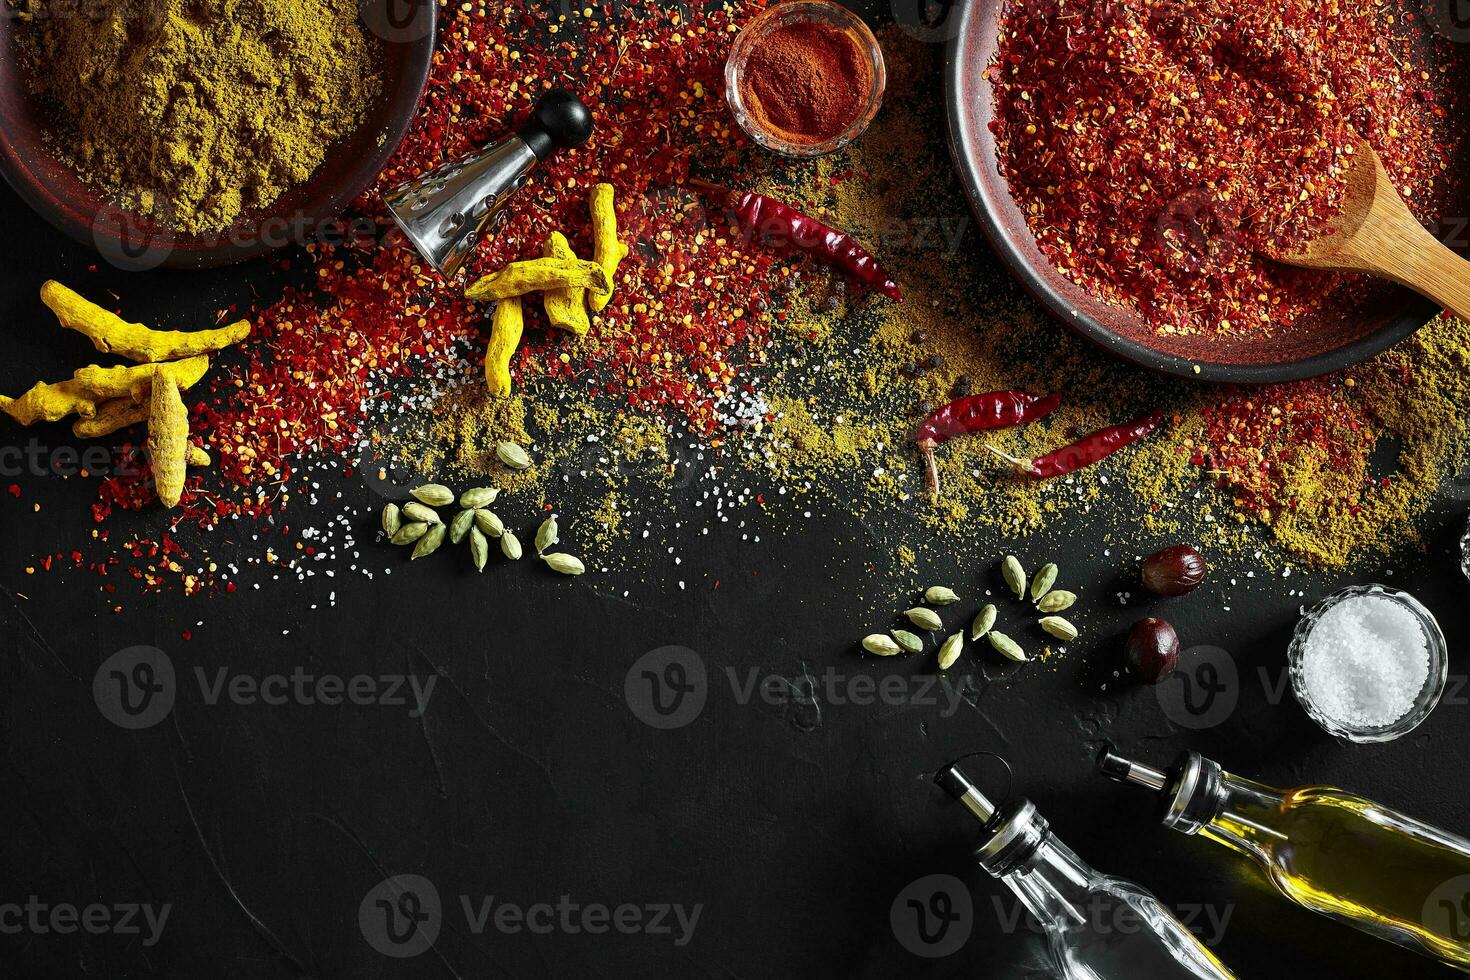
[[805, 77]]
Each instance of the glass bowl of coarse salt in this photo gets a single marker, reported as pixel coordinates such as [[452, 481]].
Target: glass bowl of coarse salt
[[1368, 663]]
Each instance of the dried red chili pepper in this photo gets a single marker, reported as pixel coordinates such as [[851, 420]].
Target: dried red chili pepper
[[1084, 452], [977, 413], [782, 224]]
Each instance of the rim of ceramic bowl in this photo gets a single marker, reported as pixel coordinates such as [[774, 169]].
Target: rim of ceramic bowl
[[790, 12], [1424, 702], [965, 33]]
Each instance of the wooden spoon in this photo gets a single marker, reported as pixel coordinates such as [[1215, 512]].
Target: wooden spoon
[[1377, 234]]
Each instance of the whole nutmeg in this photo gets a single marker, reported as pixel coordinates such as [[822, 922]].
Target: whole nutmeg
[[1152, 649], [1174, 571]]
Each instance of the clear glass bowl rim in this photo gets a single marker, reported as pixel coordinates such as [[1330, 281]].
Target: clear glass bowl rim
[[1428, 698], [1465, 549], [787, 11]]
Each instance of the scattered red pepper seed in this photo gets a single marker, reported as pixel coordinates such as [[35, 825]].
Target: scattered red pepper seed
[[671, 344]]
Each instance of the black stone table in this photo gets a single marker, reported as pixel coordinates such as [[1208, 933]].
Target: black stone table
[[700, 782]]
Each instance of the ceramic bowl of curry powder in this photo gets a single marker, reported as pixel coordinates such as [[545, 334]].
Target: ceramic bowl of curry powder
[[199, 133]]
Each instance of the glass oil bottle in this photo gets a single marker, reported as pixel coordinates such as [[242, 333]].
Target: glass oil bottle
[[1385, 873], [1097, 927]]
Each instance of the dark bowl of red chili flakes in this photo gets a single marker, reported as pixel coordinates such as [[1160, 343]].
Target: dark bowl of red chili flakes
[[1133, 160]]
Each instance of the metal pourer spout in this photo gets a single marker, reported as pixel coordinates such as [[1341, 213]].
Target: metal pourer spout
[[1192, 791], [1123, 770], [957, 784], [1011, 834]]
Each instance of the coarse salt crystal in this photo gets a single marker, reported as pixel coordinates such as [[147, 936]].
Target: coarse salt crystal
[[1365, 661]]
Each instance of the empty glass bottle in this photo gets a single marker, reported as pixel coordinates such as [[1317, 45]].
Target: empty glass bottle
[[1097, 927]]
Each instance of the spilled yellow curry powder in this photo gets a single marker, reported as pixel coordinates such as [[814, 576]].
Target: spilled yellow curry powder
[[847, 379]]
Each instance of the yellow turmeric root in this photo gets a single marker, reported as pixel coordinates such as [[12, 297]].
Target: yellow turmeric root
[[50, 402], [115, 382], [112, 415], [91, 386], [111, 334], [538, 275], [168, 438], [119, 413], [505, 336], [607, 251], [566, 309]]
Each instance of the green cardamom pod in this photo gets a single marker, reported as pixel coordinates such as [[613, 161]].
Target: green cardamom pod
[[909, 641], [566, 564], [880, 645], [510, 545], [489, 525], [1007, 647], [409, 533], [513, 456], [546, 536], [418, 512], [951, 650], [924, 619], [433, 494], [1059, 627], [1057, 601], [479, 549], [430, 542], [461, 525], [984, 621], [938, 595], [478, 497], [392, 519], [1043, 581], [1014, 574]]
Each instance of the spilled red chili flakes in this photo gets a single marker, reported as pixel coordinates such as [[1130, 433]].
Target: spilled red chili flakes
[[1345, 464], [672, 341], [1258, 437], [817, 388], [1160, 149]]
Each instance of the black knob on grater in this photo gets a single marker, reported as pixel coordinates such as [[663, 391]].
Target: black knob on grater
[[561, 121]]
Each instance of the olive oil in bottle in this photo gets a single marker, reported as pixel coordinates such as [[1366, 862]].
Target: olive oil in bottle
[[1327, 850]]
